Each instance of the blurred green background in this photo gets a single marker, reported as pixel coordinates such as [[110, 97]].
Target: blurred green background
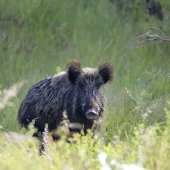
[[38, 36]]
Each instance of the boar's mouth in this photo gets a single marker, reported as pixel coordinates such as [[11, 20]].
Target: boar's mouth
[[91, 114]]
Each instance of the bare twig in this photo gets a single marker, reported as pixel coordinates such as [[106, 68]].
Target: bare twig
[[6, 22], [133, 39], [141, 43], [153, 78]]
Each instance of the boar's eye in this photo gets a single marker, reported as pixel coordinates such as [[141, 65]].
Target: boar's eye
[[97, 85], [81, 85]]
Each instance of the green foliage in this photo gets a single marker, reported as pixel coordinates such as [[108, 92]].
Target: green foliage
[[146, 148], [37, 39], [58, 69]]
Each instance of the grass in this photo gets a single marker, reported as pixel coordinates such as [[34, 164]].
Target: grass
[[39, 37]]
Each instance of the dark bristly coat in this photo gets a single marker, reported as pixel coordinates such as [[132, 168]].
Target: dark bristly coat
[[75, 91]]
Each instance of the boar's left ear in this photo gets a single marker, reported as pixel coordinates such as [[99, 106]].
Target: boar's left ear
[[106, 70], [73, 70]]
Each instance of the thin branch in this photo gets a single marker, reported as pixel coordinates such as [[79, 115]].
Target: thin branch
[[6, 22], [141, 43], [153, 78]]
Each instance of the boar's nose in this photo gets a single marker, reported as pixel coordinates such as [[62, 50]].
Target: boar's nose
[[91, 114]]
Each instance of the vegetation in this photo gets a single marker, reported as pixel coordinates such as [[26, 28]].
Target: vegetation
[[37, 39]]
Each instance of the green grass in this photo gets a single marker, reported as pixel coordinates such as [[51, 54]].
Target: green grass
[[43, 35]]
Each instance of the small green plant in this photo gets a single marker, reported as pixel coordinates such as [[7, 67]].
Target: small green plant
[[38, 36], [58, 69], [147, 148]]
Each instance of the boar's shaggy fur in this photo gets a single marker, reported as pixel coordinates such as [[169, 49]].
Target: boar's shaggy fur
[[75, 91]]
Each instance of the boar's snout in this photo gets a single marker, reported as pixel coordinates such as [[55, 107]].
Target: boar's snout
[[91, 114]]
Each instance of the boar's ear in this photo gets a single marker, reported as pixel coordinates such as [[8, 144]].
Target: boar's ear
[[106, 70], [73, 70]]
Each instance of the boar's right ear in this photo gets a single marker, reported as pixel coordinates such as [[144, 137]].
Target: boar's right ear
[[73, 70], [106, 70]]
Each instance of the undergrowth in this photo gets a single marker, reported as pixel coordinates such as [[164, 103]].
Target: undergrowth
[[148, 147], [37, 39]]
